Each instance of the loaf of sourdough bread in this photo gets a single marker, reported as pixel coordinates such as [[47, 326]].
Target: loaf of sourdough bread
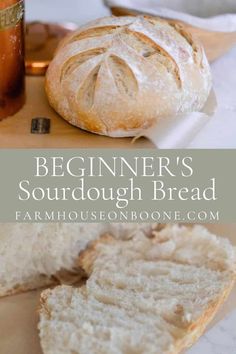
[[36, 255], [117, 76], [143, 296]]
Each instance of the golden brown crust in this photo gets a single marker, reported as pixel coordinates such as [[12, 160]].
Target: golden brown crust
[[193, 333], [197, 328], [70, 277], [157, 72], [43, 303], [37, 284], [88, 256]]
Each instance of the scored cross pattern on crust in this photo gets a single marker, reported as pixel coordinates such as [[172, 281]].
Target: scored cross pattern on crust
[[116, 76]]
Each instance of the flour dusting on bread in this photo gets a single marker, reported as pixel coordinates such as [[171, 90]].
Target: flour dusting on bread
[[118, 76]]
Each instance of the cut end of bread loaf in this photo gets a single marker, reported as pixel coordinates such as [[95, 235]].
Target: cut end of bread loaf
[[143, 296], [38, 255]]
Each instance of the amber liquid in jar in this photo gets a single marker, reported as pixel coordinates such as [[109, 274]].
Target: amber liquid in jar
[[12, 67]]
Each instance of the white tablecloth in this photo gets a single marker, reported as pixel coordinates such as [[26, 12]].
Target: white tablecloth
[[221, 131]]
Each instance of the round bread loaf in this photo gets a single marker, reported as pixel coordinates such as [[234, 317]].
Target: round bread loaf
[[117, 75]]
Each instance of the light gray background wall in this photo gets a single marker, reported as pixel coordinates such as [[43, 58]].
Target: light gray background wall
[[79, 11]]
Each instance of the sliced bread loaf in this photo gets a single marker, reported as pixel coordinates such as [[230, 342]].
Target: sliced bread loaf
[[36, 255], [143, 296]]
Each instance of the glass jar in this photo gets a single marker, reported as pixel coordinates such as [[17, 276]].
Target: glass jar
[[12, 67]]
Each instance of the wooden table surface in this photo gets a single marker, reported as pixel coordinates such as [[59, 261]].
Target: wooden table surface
[[15, 130]]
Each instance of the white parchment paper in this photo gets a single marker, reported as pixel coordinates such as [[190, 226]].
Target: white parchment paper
[[176, 132]]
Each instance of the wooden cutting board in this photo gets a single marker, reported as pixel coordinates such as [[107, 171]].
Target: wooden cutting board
[[215, 44], [15, 130]]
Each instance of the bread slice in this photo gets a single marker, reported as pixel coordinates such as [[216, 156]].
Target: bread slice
[[143, 296], [37, 255]]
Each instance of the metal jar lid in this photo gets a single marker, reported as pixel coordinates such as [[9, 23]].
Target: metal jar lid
[[41, 41]]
